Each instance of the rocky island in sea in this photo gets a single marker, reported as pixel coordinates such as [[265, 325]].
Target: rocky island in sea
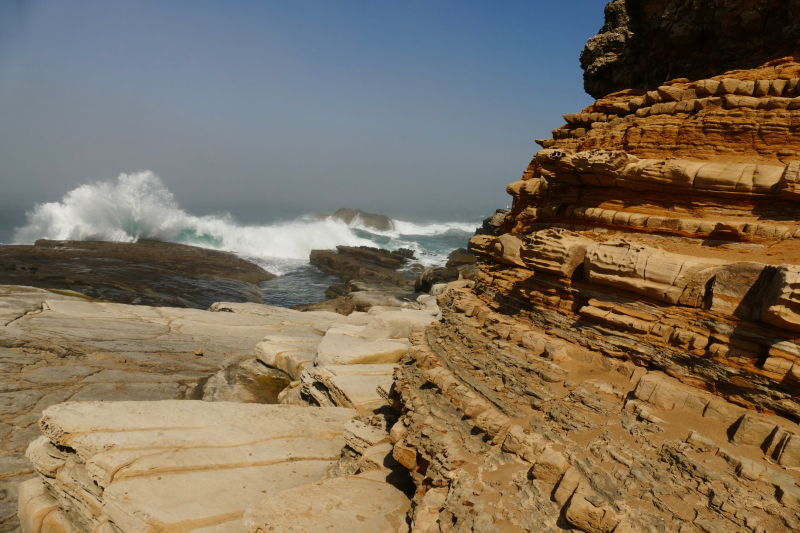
[[618, 352]]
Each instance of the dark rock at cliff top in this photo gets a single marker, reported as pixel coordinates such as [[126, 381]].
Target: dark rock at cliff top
[[368, 220], [144, 273], [645, 43]]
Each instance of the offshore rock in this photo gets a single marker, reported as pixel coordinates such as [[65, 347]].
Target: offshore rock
[[357, 217]]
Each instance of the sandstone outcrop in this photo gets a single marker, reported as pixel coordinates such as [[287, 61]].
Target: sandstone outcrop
[[142, 273], [627, 359]]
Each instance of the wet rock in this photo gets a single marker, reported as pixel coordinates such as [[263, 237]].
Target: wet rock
[[142, 273]]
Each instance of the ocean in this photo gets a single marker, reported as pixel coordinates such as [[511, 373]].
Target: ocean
[[139, 206]]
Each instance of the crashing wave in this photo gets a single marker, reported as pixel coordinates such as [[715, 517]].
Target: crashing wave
[[139, 206]]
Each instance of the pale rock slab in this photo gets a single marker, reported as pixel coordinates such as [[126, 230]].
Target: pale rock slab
[[344, 349], [91, 427], [360, 436], [355, 386], [173, 465], [346, 504], [200, 499], [399, 324]]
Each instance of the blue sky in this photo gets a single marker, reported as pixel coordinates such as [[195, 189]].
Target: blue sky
[[391, 107]]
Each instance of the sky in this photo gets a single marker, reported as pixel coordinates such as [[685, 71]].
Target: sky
[[413, 107]]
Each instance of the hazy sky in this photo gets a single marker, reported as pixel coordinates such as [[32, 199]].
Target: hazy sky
[[390, 107]]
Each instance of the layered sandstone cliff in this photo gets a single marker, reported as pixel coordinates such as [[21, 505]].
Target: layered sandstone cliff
[[628, 359]]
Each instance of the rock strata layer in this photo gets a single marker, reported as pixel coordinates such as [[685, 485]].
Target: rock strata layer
[[627, 359]]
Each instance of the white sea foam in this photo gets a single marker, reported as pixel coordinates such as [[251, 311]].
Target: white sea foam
[[139, 206]]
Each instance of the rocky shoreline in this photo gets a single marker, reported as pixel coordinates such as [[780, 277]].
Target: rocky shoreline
[[618, 352]]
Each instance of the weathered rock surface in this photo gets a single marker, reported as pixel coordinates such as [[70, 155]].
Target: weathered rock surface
[[142, 273], [362, 263], [174, 466], [178, 466], [524, 421]]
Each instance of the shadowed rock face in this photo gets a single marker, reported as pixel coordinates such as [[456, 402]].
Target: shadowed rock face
[[645, 43], [144, 273]]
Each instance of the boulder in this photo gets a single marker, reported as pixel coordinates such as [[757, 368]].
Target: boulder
[[364, 263], [781, 305], [738, 288], [460, 257], [357, 217]]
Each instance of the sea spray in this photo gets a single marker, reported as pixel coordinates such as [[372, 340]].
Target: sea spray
[[138, 206]]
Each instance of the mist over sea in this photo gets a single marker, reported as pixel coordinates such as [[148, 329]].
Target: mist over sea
[[139, 207]]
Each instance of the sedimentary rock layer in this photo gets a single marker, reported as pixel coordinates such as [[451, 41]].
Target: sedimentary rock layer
[[512, 423]]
